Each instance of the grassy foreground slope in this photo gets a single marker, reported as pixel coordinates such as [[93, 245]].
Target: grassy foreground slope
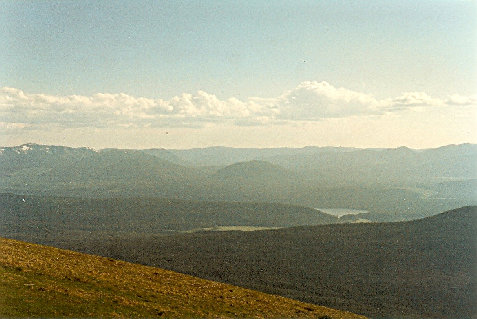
[[40, 281]]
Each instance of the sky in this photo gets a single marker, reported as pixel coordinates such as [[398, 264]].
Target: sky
[[183, 74]]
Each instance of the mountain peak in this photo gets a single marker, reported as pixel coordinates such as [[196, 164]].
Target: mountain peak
[[249, 169]]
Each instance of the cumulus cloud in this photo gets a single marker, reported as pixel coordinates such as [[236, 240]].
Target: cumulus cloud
[[457, 99], [318, 100], [309, 101], [411, 100]]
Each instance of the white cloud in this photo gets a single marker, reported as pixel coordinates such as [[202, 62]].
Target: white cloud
[[318, 100], [309, 101], [457, 99], [411, 100]]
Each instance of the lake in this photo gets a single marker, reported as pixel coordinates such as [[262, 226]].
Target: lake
[[338, 212]]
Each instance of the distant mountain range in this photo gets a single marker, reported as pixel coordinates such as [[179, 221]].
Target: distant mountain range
[[418, 269], [392, 184], [437, 162], [223, 156]]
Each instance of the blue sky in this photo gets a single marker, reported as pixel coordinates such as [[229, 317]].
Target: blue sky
[[240, 50]]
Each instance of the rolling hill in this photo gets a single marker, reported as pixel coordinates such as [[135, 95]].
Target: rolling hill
[[45, 215], [40, 281], [421, 269], [252, 170]]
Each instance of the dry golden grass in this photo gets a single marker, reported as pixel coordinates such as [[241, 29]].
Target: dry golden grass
[[40, 281]]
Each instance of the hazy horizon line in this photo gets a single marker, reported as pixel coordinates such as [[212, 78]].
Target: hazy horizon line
[[238, 148]]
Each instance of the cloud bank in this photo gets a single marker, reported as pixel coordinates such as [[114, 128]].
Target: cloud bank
[[309, 101]]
